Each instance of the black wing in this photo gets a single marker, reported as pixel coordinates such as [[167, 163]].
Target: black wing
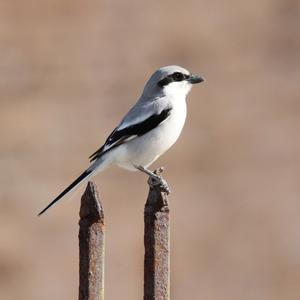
[[118, 137]]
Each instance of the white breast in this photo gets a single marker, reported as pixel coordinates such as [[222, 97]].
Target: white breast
[[147, 148], [172, 127]]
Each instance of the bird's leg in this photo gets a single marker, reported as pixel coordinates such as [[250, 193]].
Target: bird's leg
[[155, 179]]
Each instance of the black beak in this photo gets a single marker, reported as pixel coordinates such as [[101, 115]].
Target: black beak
[[195, 79]]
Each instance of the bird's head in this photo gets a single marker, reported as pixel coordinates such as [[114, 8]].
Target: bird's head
[[171, 81]]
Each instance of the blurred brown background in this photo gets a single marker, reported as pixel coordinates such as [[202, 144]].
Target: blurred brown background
[[69, 70]]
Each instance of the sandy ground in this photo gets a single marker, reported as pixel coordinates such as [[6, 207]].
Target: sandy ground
[[69, 70]]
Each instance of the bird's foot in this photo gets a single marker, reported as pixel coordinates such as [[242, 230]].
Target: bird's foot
[[162, 183], [155, 179]]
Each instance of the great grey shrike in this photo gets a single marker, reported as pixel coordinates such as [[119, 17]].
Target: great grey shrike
[[148, 130]]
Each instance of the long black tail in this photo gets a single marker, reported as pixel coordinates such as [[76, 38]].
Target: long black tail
[[73, 185]]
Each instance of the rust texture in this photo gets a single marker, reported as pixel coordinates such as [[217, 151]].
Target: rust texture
[[91, 245], [157, 245]]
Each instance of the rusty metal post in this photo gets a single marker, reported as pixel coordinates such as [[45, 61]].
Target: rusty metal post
[[157, 245], [91, 245]]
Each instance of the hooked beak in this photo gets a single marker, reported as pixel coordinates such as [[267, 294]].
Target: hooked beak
[[195, 79]]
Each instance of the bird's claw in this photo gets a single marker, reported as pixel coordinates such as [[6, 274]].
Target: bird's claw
[[156, 180]]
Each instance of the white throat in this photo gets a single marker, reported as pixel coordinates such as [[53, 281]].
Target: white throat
[[177, 89]]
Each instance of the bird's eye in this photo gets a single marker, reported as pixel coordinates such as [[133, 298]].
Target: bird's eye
[[177, 76]]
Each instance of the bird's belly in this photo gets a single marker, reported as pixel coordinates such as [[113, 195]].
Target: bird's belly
[[145, 149]]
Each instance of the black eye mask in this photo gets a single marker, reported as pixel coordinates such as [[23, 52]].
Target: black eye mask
[[177, 76]]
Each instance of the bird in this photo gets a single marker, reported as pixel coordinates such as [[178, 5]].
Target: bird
[[147, 131]]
